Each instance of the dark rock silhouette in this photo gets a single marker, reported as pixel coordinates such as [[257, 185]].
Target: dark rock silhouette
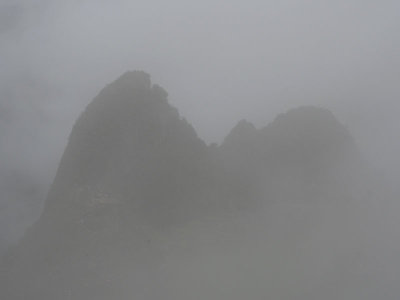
[[134, 169], [131, 144]]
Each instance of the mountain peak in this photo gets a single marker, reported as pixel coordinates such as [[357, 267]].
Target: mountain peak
[[244, 126], [128, 136], [305, 116], [242, 133], [134, 79]]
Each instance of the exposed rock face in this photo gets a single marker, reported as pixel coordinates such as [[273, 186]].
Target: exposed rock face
[[134, 169]]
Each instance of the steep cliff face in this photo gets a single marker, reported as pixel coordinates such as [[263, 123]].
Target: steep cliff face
[[134, 170], [132, 146]]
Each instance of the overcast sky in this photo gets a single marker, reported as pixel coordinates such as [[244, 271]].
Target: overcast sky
[[220, 61]]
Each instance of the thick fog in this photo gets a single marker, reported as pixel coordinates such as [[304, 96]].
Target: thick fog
[[220, 61]]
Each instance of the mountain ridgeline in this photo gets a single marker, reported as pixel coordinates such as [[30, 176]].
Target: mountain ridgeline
[[135, 172]]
